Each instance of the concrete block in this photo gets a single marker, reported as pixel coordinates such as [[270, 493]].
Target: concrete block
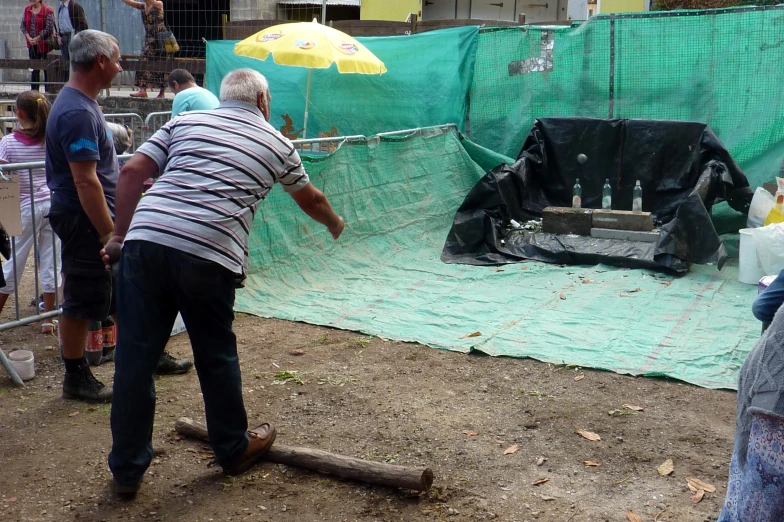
[[566, 220], [623, 220], [625, 235]]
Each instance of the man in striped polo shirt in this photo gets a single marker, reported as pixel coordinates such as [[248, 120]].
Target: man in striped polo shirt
[[183, 249]]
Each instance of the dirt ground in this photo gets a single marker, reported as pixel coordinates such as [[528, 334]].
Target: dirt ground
[[491, 429]]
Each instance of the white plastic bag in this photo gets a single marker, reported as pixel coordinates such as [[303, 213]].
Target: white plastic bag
[[761, 204], [769, 242]]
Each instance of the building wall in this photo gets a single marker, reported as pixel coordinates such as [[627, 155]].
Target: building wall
[[253, 9], [621, 6], [390, 11]]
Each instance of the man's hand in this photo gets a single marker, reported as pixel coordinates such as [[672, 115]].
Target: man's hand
[[337, 228], [112, 251]]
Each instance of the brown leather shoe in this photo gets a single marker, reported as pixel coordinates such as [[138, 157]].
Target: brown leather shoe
[[260, 440]]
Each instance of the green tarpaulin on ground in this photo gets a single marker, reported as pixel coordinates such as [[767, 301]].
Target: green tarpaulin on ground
[[384, 276]]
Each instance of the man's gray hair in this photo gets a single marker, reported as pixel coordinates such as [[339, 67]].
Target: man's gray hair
[[243, 85], [88, 45]]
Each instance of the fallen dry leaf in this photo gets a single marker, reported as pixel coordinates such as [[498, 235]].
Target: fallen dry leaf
[[591, 464], [589, 435], [633, 408], [692, 487], [473, 334], [74, 414], [471, 433], [12, 499], [579, 378], [587, 281], [666, 468], [632, 516], [698, 484], [511, 449], [541, 481], [524, 268], [563, 297], [297, 352], [695, 499]]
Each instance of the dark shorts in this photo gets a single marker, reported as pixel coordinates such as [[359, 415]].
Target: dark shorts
[[88, 288]]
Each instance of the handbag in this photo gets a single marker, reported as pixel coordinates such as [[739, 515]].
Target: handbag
[[52, 42], [168, 41]]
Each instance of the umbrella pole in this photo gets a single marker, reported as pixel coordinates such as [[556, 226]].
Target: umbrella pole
[[307, 102]]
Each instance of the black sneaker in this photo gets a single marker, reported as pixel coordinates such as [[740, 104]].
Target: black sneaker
[[83, 386], [168, 365]]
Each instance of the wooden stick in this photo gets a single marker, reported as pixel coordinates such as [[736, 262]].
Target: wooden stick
[[324, 462]]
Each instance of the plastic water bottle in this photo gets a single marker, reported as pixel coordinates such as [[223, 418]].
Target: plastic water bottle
[[607, 195], [93, 349], [577, 194], [637, 198]]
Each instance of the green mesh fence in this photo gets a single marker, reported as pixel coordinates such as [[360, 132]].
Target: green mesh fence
[[384, 276], [721, 67]]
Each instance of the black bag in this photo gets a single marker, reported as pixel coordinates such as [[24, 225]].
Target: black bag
[[52, 42], [168, 41], [5, 244]]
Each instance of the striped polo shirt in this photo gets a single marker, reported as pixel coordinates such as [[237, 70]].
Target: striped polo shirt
[[20, 148], [217, 166]]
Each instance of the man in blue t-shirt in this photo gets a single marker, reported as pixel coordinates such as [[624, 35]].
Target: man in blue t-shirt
[[81, 171], [187, 95]]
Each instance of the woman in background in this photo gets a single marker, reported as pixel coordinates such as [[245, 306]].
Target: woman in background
[[152, 18], [37, 26], [26, 144]]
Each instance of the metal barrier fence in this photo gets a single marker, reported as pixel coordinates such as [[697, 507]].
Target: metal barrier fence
[[131, 120], [154, 121]]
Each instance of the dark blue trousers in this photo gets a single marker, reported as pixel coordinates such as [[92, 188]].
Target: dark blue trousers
[[768, 302], [154, 282]]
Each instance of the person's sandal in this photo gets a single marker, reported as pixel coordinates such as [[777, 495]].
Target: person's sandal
[[47, 328]]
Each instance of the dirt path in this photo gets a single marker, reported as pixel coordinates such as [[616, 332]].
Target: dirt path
[[386, 401]]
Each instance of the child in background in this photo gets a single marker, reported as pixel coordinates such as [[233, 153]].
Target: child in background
[[26, 144]]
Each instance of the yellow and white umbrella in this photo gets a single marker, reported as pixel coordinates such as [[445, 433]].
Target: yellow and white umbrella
[[311, 45]]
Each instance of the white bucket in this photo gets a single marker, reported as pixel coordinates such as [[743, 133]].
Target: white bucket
[[749, 268], [23, 361]]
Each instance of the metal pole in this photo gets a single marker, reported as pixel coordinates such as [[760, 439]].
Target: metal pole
[[36, 249], [56, 273], [29, 320], [323, 11], [612, 67], [10, 369], [107, 92], [307, 102], [16, 279]]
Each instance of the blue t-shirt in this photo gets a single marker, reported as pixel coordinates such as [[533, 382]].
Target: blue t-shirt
[[76, 131], [194, 99]]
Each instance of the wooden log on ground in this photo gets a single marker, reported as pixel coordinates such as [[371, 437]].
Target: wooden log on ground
[[566, 220], [623, 220], [324, 462]]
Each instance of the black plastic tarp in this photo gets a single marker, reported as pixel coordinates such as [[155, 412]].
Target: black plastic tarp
[[683, 169]]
